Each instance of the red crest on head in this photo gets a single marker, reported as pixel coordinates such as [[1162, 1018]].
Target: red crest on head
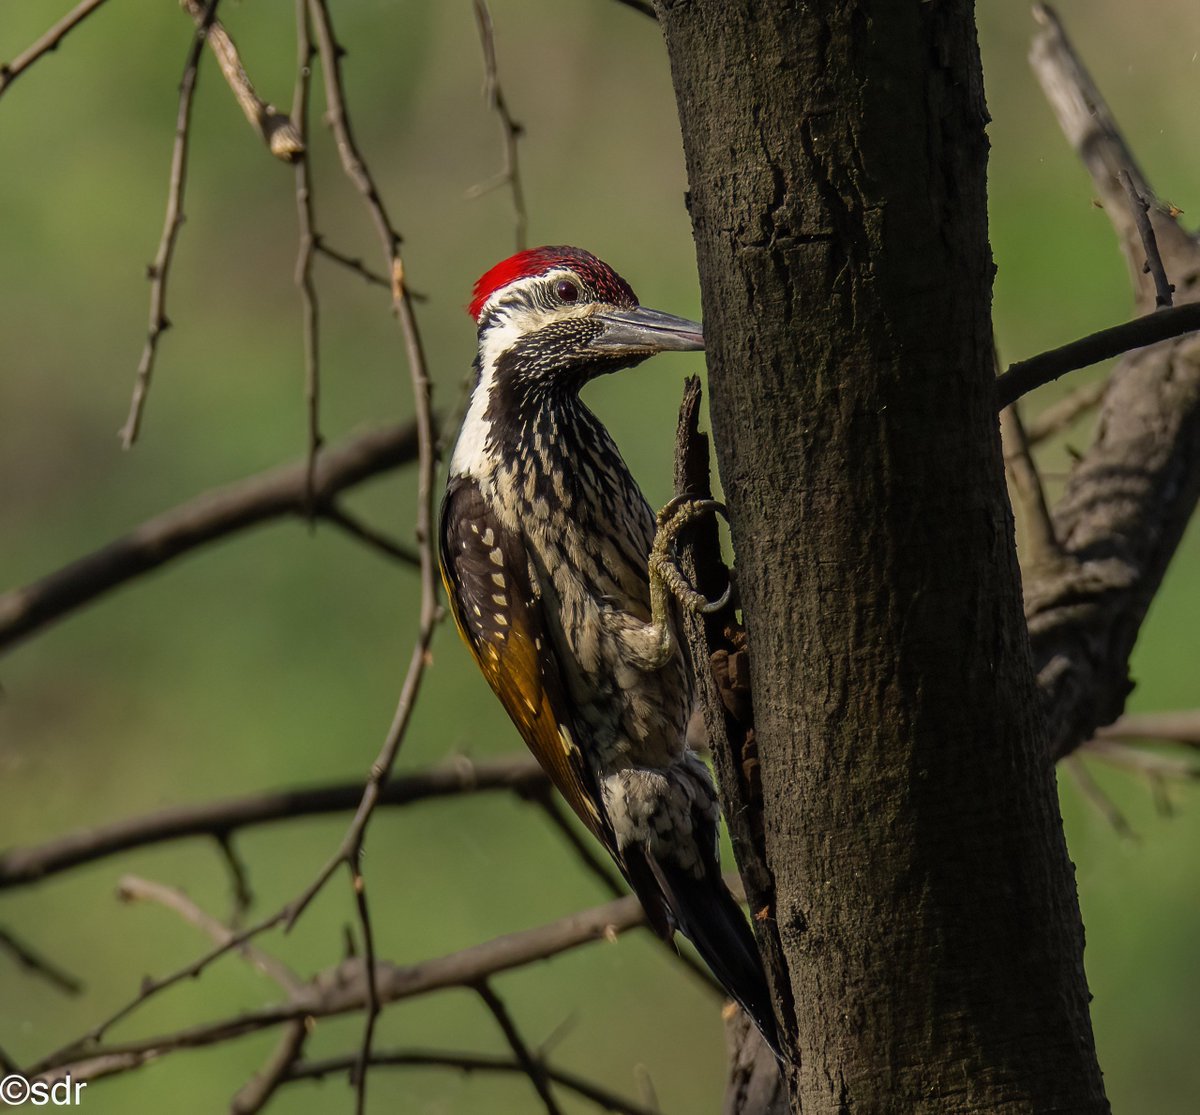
[[536, 261]]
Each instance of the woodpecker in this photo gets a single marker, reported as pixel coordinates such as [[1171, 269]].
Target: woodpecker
[[560, 582]]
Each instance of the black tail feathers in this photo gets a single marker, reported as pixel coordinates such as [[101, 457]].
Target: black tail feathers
[[708, 916]]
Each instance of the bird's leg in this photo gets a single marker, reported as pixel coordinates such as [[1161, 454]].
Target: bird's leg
[[650, 645], [671, 520], [667, 579]]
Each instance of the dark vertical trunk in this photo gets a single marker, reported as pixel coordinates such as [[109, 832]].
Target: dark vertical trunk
[[923, 931]]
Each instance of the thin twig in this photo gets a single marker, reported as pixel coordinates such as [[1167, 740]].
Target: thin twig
[[369, 536], [1039, 526], [1026, 375], [239, 877], [133, 888], [1058, 416], [206, 518], [34, 962], [1141, 761], [227, 941], [372, 1006], [256, 1093], [275, 128], [351, 263], [1090, 127], [469, 1062], [357, 171], [159, 270], [150, 988], [530, 1065], [221, 819], [1094, 793], [342, 989], [1140, 208], [1181, 727], [303, 277], [253, 1096], [510, 173], [9, 72]]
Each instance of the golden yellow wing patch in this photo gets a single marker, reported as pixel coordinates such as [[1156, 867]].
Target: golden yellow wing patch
[[499, 615]]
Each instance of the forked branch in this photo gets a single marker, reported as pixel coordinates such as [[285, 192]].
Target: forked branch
[[1128, 499]]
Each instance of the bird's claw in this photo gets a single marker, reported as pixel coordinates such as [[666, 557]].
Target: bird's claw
[[663, 563]]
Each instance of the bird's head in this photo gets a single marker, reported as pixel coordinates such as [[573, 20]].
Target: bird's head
[[555, 317]]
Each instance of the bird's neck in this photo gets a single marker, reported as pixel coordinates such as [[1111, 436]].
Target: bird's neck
[[532, 446]]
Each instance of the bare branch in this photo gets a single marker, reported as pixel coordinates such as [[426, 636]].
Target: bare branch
[[356, 170], [214, 515], [1039, 527], [342, 989], [282, 138], [1170, 727], [1091, 129], [34, 962], [9, 72], [368, 535], [256, 1093], [353, 264], [120, 1060], [1058, 416], [372, 1006], [468, 1063], [1163, 289], [1129, 498], [1095, 794], [510, 173], [353, 164], [253, 1096], [304, 256], [530, 1065], [1149, 763], [350, 848], [285, 916], [239, 876], [132, 888], [172, 222], [221, 819], [1027, 375]]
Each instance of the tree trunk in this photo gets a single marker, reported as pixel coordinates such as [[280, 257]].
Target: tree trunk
[[915, 898]]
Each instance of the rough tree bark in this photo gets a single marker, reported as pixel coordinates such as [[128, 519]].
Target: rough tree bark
[[913, 891]]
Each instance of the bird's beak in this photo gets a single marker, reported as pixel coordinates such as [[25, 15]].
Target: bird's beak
[[649, 331]]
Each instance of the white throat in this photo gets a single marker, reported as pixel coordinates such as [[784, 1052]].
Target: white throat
[[475, 453]]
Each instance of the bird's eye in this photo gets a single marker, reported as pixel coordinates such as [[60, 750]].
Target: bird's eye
[[566, 290]]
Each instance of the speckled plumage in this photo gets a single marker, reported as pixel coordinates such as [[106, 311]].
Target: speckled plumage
[[545, 544]]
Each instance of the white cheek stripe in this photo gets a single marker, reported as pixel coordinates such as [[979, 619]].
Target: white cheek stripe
[[472, 454]]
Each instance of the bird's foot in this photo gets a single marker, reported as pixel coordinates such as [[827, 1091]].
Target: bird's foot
[[665, 574]]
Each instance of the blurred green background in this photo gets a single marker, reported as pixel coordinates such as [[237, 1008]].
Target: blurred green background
[[275, 659]]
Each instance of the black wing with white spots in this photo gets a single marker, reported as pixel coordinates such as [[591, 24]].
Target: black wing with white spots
[[499, 614]]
